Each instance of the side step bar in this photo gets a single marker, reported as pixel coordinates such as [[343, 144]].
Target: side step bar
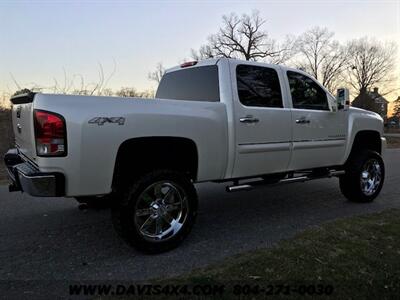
[[253, 184]]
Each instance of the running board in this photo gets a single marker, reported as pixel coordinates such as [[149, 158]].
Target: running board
[[253, 184]]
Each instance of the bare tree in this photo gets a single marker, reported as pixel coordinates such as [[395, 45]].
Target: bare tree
[[22, 91], [371, 63], [127, 92], [77, 85], [288, 49], [242, 37], [396, 107], [132, 92], [107, 92], [321, 56], [334, 66], [157, 74], [204, 52], [74, 84]]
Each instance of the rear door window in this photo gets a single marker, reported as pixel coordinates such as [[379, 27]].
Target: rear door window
[[258, 86]]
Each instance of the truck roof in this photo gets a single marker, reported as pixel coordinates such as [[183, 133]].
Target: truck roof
[[194, 64], [214, 61]]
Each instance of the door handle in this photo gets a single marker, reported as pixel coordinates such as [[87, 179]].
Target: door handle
[[302, 121], [249, 120]]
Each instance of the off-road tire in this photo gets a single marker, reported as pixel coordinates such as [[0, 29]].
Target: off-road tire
[[123, 214], [350, 183]]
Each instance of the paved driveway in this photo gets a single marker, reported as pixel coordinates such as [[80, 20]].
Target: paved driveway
[[392, 134], [50, 238]]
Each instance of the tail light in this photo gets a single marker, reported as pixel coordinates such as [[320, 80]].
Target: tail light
[[50, 134]]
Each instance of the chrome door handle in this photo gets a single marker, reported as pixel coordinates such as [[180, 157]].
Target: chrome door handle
[[302, 121], [249, 119]]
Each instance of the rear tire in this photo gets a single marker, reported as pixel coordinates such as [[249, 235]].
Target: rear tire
[[365, 174], [157, 211]]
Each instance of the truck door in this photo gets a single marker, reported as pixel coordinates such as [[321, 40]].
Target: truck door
[[319, 134], [261, 119]]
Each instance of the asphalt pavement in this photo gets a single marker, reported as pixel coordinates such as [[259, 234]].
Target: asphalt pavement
[[392, 134], [51, 239]]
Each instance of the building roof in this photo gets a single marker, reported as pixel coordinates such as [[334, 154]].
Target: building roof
[[377, 97]]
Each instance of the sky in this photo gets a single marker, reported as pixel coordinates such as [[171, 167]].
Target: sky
[[41, 39]]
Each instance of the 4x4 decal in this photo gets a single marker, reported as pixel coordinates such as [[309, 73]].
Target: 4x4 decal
[[101, 120]]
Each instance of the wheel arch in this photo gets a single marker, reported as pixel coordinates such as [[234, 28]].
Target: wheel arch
[[138, 155], [365, 139]]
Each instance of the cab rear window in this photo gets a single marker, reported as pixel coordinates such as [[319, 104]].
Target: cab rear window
[[193, 84]]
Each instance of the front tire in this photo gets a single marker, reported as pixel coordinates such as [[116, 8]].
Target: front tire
[[157, 211], [365, 174]]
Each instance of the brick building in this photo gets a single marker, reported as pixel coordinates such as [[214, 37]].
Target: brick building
[[372, 100]]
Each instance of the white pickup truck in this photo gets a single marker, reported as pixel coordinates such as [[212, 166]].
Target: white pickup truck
[[220, 120]]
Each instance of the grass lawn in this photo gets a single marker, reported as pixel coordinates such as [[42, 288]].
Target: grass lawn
[[359, 257]]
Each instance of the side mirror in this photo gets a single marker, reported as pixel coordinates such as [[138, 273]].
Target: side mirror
[[343, 99]]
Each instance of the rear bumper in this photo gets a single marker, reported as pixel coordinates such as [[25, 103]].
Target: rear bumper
[[25, 177]]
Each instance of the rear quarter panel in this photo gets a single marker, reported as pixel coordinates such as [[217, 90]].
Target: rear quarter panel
[[92, 149]]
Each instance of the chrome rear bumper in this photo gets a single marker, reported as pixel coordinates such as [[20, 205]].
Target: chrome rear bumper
[[25, 177]]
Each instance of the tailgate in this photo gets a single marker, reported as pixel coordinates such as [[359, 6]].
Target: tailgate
[[22, 119]]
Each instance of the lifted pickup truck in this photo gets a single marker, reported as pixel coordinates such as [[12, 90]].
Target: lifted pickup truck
[[219, 120]]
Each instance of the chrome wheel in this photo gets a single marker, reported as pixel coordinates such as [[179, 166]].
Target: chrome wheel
[[371, 177], [161, 211]]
